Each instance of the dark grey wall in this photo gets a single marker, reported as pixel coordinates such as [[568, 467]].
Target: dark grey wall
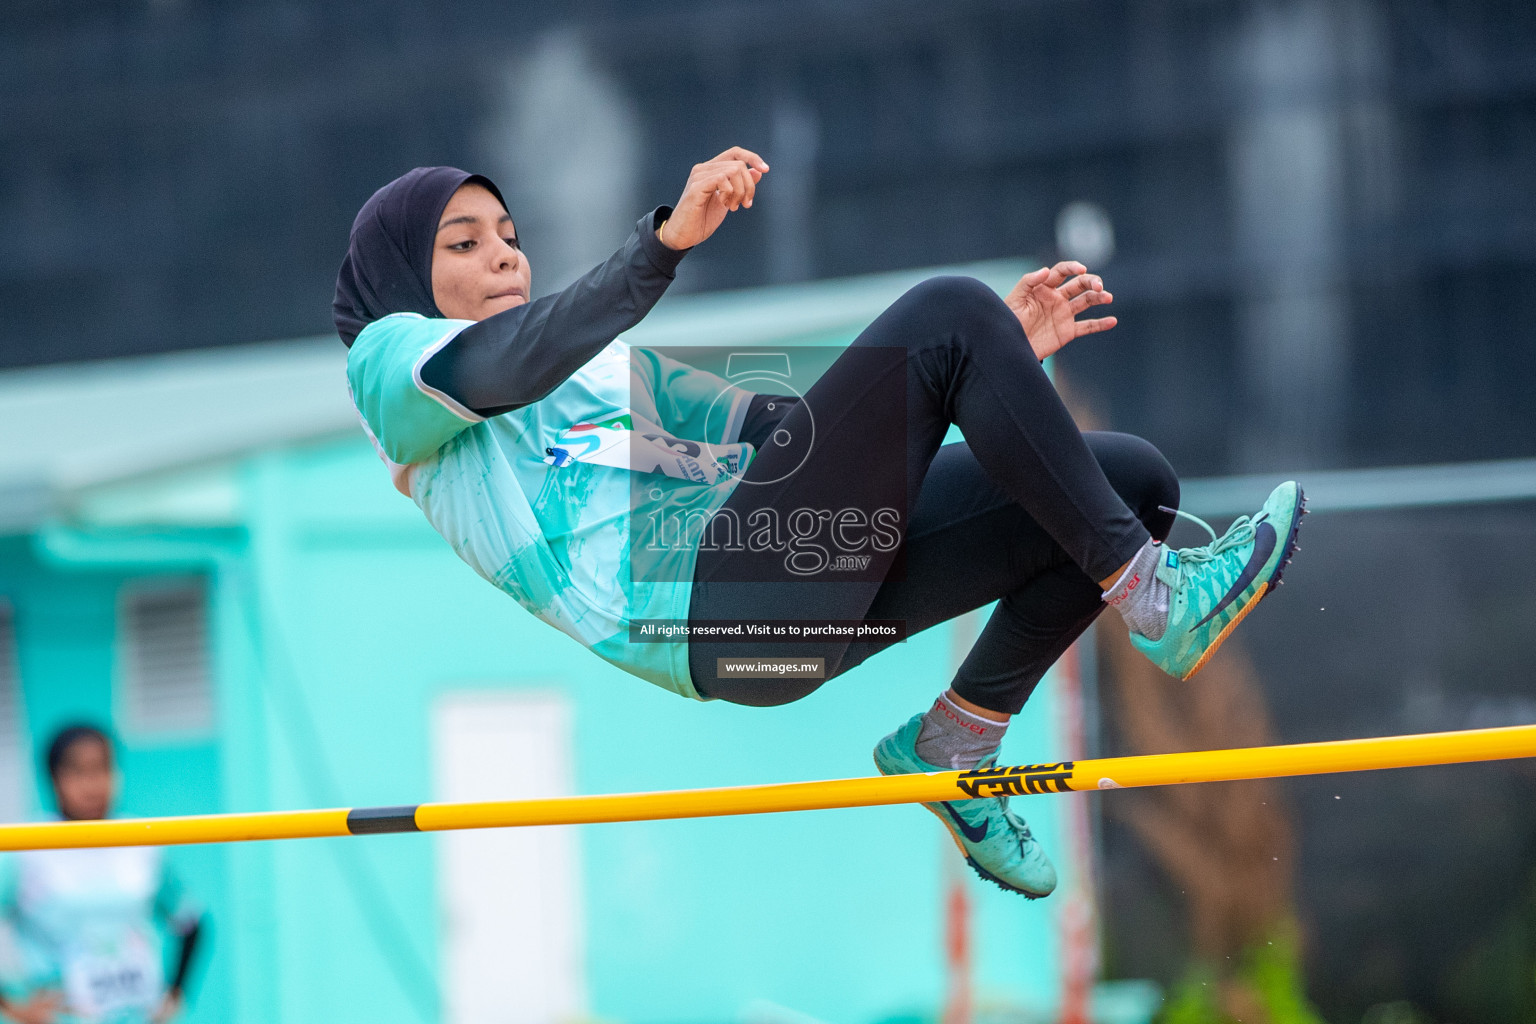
[[1325, 234]]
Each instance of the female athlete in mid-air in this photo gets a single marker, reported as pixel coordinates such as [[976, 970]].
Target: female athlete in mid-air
[[603, 486]]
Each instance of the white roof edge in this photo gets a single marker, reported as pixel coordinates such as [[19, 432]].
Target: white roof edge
[[106, 421], [219, 359]]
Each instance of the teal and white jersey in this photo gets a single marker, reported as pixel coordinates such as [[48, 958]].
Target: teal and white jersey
[[94, 924], [557, 538]]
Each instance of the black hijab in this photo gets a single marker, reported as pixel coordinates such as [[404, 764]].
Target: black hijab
[[388, 267]]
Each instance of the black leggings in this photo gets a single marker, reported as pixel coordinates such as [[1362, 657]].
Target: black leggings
[[1028, 511]]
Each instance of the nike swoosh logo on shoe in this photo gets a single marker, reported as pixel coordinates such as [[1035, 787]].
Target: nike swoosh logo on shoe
[[975, 833], [1263, 546]]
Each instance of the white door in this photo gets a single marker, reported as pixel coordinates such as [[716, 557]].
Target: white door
[[512, 941]]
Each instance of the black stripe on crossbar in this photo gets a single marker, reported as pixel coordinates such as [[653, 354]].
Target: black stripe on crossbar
[[362, 821]]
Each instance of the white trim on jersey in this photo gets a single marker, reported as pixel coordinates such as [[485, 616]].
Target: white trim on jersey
[[442, 397], [738, 417]]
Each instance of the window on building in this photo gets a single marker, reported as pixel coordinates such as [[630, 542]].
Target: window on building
[[163, 647], [13, 760]]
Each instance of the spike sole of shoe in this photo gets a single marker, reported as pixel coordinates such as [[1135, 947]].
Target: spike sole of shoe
[[982, 873], [1265, 588]]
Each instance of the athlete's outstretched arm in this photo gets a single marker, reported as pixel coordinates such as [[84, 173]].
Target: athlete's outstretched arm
[[519, 356]]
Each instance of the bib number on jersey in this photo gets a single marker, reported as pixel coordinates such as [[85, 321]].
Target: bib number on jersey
[[100, 981]]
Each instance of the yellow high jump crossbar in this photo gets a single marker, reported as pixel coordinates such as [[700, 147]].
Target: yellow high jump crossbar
[[1106, 773]]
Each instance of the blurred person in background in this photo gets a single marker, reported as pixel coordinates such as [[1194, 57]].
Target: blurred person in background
[[494, 412], [102, 935]]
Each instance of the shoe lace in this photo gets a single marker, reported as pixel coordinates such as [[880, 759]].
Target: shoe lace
[[1016, 823], [1239, 533]]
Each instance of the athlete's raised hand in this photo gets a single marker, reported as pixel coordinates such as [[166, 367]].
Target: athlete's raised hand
[[1048, 301], [726, 183]]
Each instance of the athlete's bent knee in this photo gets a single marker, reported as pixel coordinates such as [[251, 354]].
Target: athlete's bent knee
[[959, 301], [1143, 478]]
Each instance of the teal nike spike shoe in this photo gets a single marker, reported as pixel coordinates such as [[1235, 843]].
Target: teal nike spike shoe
[[995, 841], [1212, 588]]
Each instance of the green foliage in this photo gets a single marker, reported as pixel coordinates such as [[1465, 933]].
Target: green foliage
[[1193, 1000], [1269, 975], [1492, 980], [1273, 970]]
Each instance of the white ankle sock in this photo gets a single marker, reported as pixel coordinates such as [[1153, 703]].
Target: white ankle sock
[[1139, 596], [952, 737]]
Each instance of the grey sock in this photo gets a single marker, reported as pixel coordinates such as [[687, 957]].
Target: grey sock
[[1139, 596], [952, 737]]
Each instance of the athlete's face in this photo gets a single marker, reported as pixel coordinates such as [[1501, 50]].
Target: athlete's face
[[84, 785], [477, 268]]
